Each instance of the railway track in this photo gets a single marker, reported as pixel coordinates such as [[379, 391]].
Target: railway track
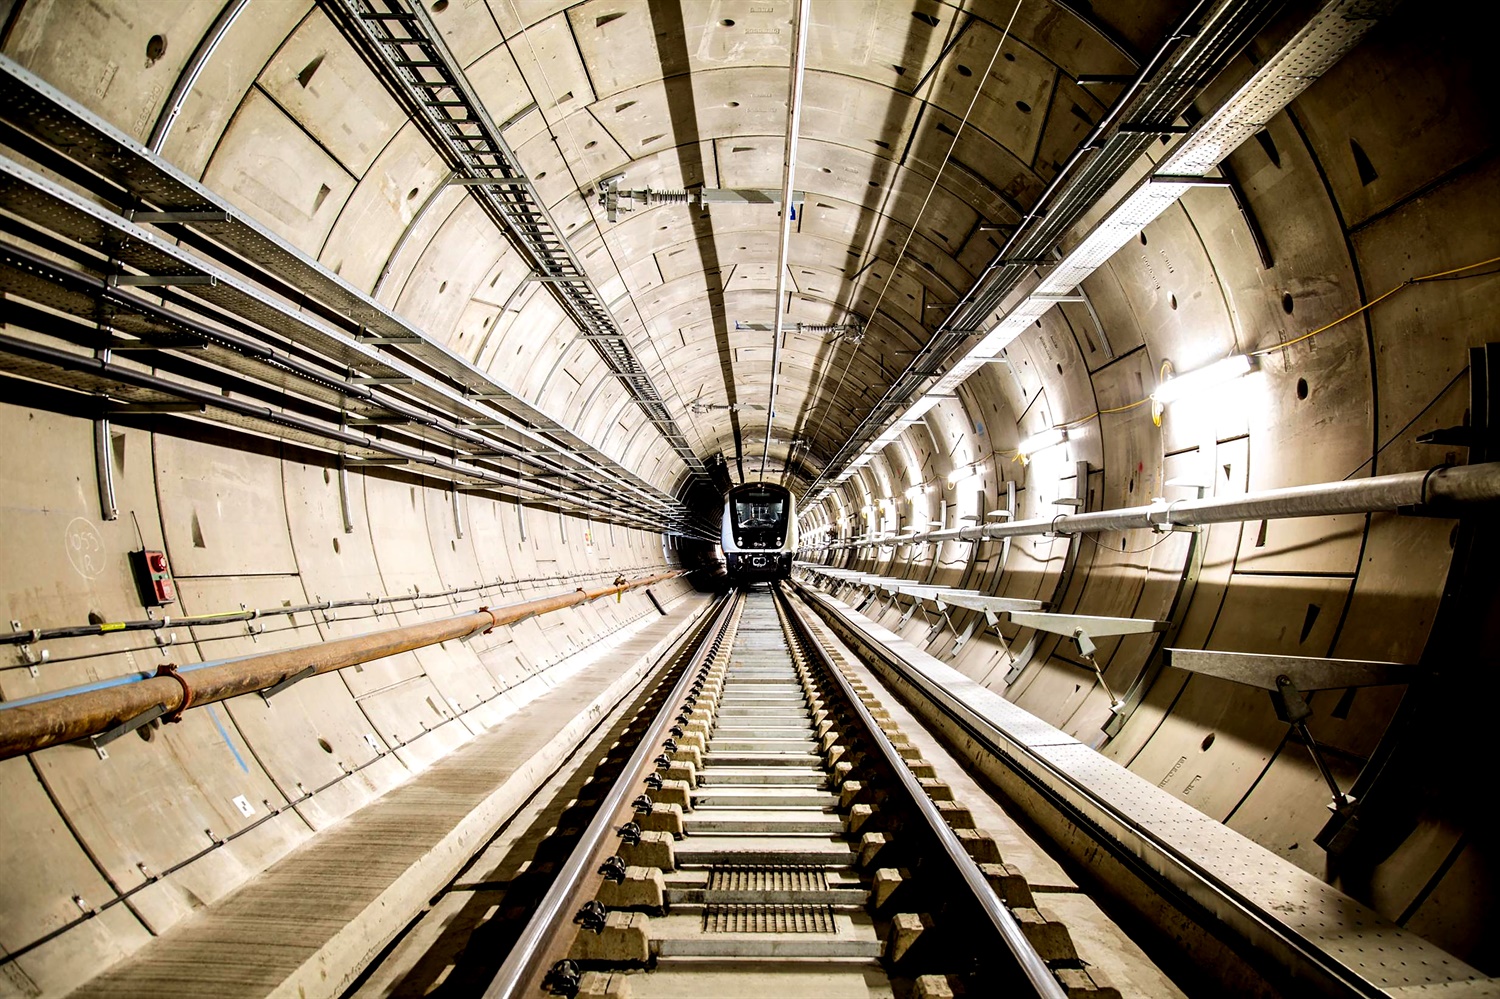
[[761, 827]]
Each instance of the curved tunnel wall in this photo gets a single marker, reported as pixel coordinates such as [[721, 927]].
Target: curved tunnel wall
[[1382, 170], [193, 809], [1376, 175]]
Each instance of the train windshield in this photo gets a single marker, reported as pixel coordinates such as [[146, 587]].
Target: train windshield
[[759, 509]]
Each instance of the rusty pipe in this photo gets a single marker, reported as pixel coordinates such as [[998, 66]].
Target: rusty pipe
[[50, 720]]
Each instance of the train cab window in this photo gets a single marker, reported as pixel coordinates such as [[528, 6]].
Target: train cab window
[[759, 509]]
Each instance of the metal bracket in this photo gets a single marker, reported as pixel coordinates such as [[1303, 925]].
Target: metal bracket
[[1292, 707], [156, 218], [25, 647], [963, 639], [1305, 672], [102, 739], [296, 677], [937, 627], [907, 616], [160, 280]]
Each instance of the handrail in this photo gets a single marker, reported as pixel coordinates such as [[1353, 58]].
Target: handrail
[[63, 716], [1444, 491]]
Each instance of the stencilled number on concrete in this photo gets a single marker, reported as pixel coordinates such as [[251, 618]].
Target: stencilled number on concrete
[[85, 548]]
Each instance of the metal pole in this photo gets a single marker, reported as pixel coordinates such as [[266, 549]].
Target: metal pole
[[49, 720], [789, 168], [190, 73], [1442, 491]]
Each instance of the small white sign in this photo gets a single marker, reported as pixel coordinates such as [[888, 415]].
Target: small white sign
[[243, 804]]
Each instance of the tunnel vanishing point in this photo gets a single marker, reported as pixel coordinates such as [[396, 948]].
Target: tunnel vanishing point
[[373, 374]]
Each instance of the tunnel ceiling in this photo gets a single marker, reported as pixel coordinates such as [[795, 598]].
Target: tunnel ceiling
[[893, 229]]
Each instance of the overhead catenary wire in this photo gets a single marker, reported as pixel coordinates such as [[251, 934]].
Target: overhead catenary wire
[[911, 231], [593, 218], [789, 168]]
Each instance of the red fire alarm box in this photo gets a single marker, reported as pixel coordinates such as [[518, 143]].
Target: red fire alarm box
[[153, 577]]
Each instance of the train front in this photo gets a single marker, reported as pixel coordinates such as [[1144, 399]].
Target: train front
[[760, 532]]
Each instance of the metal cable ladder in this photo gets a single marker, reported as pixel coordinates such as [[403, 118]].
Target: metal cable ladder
[[405, 51]]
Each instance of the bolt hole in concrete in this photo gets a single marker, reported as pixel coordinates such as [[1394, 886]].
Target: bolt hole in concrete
[[412, 194], [1208, 740], [1143, 239], [438, 6], [1059, 369], [1010, 57], [1023, 107], [590, 144], [336, 550], [442, 287], [965, 71], [1301, 388], [323, 743], [732, 104], [727, 23], [1286, 303], [147, 732], [542, 175], [1172, 301], [156, 47]]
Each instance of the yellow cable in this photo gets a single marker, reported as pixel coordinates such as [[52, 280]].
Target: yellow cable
[[1374, 302], [1268, 350]]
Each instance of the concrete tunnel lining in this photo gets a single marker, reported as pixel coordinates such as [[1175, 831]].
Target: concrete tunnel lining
[[1381, 170]]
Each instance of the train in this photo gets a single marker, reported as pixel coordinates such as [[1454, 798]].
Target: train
[[759, 537]]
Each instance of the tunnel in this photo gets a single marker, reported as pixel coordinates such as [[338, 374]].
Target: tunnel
[[373, 374]]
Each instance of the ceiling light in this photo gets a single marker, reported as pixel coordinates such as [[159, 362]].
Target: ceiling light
[[1193, 382], [1043, 440]]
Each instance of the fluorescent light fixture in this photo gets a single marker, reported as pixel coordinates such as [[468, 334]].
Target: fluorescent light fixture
[[964, 473], [1043, 440], [1194, 382]]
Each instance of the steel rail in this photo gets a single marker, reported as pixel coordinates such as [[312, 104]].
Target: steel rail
[[1089, 811], [1447, 490], [525, 966], [62, 716], [1028, 961], [800, 29]]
